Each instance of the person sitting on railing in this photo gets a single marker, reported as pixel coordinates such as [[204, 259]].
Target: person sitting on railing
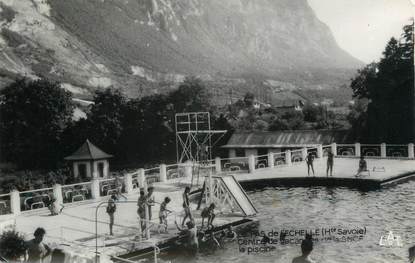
[[209, 213], [362, 166], [163, 213]]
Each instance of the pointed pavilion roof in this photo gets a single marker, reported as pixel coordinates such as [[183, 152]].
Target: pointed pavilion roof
[[88, 151]]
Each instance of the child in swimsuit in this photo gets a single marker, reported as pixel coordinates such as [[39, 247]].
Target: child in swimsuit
[[163, 213]]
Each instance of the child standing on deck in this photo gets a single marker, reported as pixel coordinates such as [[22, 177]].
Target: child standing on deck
[[309, 160], [111, 207], [141, 211], [150, 201], [330, 157], [362, 166], [186, 205], [163, 213], [209, 213]]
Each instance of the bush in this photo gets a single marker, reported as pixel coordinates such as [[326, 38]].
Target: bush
[[12, 245]]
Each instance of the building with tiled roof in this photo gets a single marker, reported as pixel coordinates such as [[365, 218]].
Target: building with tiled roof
[[89, 161]]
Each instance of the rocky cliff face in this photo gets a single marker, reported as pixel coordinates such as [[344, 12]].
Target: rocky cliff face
[[143, 45]]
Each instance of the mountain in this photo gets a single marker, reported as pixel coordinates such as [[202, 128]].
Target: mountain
[[147, 46]]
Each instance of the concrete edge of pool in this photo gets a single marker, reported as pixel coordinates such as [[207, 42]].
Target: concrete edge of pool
[[360, 183], [169, 243]]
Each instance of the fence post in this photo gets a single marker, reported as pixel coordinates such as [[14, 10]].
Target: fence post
[[163, 173], [95, 191], [146, 214], [251, 163], [57, 193], [304, 153], [141, 178], [288, 160], [271, 160], [320, 151], [15, 202], [411, 153], [357, 149], [334, 148], [218, 165], [188, 167], [128, 183], [383, 150]]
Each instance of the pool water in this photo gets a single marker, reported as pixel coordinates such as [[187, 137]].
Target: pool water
[[366, 215]]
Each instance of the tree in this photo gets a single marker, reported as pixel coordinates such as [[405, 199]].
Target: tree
[[34, 115], [389, 88], [294, 120], [312, 113], [191, 96], [105, 119], [149, 119]]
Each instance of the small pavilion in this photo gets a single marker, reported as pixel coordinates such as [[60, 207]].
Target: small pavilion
[[89, 162]]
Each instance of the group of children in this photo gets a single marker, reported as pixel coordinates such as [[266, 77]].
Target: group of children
[[330, 161], [310, 160], [147, 200], [207, 212]]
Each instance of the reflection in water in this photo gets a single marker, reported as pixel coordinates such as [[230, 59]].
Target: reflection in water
[[390, 209]]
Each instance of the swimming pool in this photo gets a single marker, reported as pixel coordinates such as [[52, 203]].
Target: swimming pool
[[356, 221]]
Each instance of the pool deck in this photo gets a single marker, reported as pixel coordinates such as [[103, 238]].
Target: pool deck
[[382, 172], [74, 229]]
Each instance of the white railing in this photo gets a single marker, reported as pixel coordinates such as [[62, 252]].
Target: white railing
[[235, 164], [261, 161], [152, 175], [35, 199], [174, 171], [76, 192], [111, 186], [15, 201], [5, 204]]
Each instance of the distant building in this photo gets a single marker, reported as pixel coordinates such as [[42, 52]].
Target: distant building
[[89, 162], [243, 144]]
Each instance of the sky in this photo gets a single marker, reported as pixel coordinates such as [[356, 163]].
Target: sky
[[363, 27]]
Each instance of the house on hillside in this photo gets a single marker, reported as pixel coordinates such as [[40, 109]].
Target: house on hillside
[[242, 144]]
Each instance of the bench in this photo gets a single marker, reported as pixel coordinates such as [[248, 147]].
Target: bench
[[77, 197], [4, 204], [37, 203]]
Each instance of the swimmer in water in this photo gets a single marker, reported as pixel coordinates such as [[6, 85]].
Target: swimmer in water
[[306, 248], [191, 234]]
